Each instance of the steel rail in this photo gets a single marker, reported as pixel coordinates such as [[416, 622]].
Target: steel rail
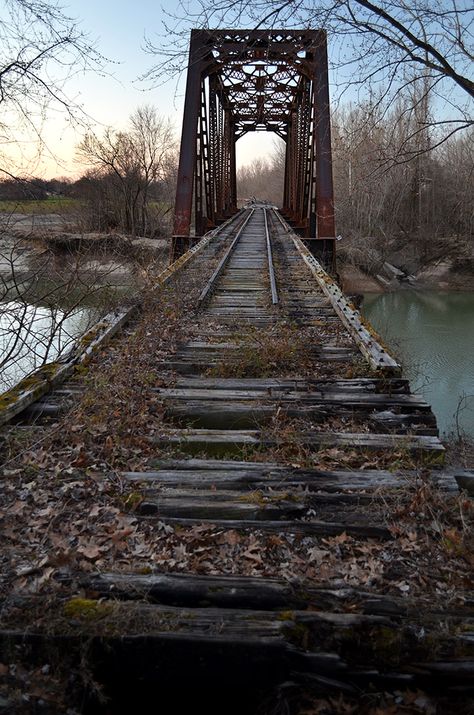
[[271, 270], [210, 283], [367, 340], [283, 223]]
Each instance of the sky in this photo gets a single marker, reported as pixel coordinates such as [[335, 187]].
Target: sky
[[119, 28]]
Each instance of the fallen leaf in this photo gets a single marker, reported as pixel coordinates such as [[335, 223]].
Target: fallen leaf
[[230, 537], [90, 551]]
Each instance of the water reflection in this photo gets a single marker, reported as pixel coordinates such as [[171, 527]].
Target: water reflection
[[433, 334], [33, 335]]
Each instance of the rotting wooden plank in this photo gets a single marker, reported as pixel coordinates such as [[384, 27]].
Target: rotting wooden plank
[[223, 624], [218, 441], [230, 351], [194, 590], [245, 475], [300, 396], [265, 495], [251, 592], [330, 384], [212, 464], [305, 528], [200, 345], [243, 415], [246, 479], [196, 367], [208, 508]]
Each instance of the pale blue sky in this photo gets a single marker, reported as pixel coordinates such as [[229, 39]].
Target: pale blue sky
[[119, 28]]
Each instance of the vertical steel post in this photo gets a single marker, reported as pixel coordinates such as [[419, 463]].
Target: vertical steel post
[[286, 187], [326, 231], [293, 159], [213, 176], [233, 169], [188, 153]]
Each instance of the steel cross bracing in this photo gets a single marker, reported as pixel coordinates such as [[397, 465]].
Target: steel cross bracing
[[256, 80]]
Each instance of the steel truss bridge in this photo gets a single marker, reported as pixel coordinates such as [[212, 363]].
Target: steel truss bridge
[[241, 81]]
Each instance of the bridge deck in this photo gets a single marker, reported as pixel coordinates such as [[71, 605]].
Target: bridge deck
[[271, 502]]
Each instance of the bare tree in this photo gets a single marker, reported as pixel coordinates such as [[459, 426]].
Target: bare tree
[[263, 179], [421, 207], [133, 161], [154, 144], [42, 49], [377, 48]]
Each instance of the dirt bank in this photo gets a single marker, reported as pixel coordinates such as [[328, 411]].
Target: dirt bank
[[113, 258], [439, 276], [354, 280]]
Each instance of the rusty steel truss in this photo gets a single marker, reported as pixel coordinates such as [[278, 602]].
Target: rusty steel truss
[[256, 80]]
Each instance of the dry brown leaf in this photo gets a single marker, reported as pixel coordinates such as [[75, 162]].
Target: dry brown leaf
[[90, 551], [231, 537], [252, 556]]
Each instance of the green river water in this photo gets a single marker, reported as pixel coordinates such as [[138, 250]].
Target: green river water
[[432, 334]]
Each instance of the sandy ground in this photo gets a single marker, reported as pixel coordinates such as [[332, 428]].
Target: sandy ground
[[353, 280]]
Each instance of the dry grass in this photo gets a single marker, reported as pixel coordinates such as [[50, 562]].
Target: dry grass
[[286, 350]]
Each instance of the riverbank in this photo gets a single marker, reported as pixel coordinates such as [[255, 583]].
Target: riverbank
[[25, 237], [379, 264], [441, 276], [54, 285], [42, 265]]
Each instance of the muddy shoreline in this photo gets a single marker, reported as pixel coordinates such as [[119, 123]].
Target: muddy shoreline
[[23, 238], [108, 259], [437, 277]]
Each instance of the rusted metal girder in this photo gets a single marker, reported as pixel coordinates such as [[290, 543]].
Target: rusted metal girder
[[256, 80]]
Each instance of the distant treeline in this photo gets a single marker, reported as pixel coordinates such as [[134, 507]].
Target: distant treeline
[[26, 188], [37, 189]]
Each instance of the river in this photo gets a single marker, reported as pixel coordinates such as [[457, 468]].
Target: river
[[31, 335], [51, 294], [432, 334]]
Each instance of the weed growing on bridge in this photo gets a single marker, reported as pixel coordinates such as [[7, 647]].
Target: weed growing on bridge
[[285, 349], [278, 349]]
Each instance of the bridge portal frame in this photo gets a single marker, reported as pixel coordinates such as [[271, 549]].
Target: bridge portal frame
[[256, 80]]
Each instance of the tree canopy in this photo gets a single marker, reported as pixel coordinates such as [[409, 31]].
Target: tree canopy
[[42, 48], [377, 49]]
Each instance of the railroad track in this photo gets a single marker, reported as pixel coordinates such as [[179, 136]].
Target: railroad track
[[239, 285], [271, 383]]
